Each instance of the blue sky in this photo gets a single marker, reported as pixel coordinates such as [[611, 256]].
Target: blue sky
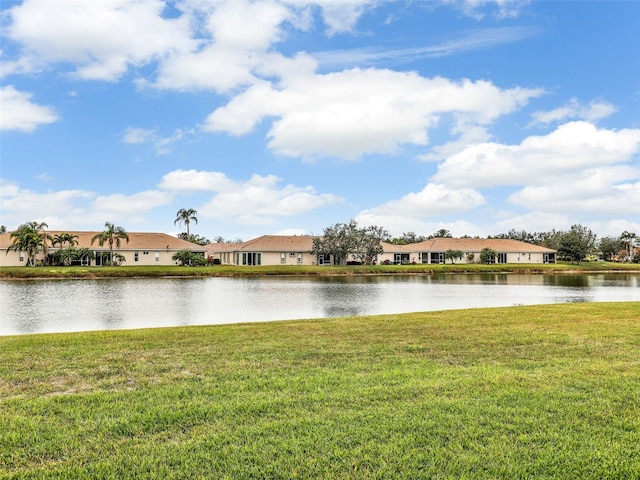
[[284, 117]]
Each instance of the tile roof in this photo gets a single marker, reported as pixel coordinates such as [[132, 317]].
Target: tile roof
[[137, 241], [273, 243]]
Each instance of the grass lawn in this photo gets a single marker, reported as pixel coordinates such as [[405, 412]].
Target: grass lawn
[[234, 271], [510, 393]]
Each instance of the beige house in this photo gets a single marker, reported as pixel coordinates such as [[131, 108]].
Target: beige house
[[296, 250], [433, 251], [267, 250], [143, 248]]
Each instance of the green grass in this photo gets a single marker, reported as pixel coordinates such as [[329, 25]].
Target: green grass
[[521, 392], [232, 270]]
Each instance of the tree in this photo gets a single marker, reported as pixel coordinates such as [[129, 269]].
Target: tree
[[629, 238], [453, 255], [3, 229], [488, 255], [67, 256], [221, 239], [187, 257], [112, 234], [442, 233], [194, 239], [610, 247], [62, 238], [407, 238], [577, 243], [367, 244], [343, 239], [29, 238], [186, 216]]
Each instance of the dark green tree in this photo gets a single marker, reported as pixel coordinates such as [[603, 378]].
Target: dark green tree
[[31, 239], [453, 255], [577, 243], [610, 247], [112, 235], [488, 255]]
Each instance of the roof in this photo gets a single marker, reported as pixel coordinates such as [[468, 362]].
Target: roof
[[393, 248], [273, 243], [477, 244], [137, 241]]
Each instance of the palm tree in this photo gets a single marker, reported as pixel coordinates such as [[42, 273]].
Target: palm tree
[[111, 234], [62, 238], [185, 216], [29, 238], [442, 233]]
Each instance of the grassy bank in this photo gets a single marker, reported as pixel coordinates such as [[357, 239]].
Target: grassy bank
[[522, 392], [235, 271]]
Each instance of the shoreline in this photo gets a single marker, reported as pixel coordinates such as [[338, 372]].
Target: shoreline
[[94, 273]]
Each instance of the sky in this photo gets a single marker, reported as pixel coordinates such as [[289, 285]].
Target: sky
[[286, 117]]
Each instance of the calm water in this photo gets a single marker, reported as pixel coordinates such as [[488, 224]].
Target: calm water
[[41, 306]]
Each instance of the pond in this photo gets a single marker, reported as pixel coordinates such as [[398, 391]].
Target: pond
[[44, 306]]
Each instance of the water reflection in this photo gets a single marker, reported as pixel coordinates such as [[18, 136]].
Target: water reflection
[[35, 306]]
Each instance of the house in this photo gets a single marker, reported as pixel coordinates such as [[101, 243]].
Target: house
[[143, 248], [267, 250], [507, 251], [296, 250]]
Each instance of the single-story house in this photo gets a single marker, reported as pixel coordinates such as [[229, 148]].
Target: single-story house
[[143, 248], [296, 250], [267, 250], [507, 250]]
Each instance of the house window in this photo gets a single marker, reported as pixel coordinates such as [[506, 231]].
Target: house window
[[135, 256], [437, 257], [21, 256], [292, 254], [401, 258], [502, 258], [299, 257], [549, 258], [283, 257], [145, 253], [324, 259], [157, 256], [251, 258]]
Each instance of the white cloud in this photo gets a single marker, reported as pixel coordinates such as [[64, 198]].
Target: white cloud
[[132, 207], [260, 199], [533, 221], [593, 193], [162, 145], [341, 15], [573, 110], [69, 209], [254, 201], [475, 40], [413, 211], [20, 113], [356, 112], [196, 181], [138, 135], [499, 9], [21, 205], [102, 38], [572, 147]]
